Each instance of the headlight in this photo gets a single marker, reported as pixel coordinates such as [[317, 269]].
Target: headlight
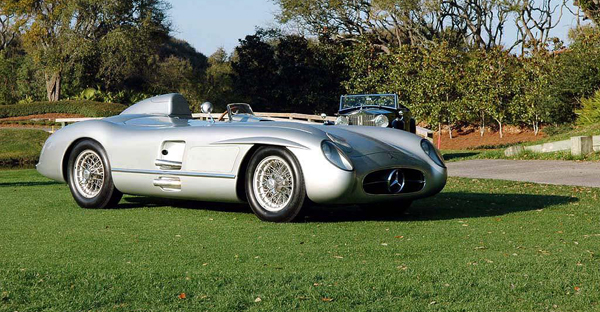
[[336, 156], [381, 121], [342, 120], [433, 153]]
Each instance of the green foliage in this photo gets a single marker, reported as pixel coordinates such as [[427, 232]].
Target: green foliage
[[445, 85], [578, 68], [590, 110], [284, 73], [86, 108], [553, 130], [591, 8], [218, 86]]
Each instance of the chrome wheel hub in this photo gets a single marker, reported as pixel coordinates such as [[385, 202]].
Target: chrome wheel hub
[[89, 174], [273, 183]]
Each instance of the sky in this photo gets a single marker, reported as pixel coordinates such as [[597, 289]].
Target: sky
[[210, 24]]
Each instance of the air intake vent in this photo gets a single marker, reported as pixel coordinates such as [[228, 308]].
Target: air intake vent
[[394, 181]]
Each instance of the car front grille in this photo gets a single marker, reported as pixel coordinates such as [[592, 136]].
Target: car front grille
[[378, 182], [361, 120]]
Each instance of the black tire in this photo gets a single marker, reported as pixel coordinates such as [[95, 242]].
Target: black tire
[[108, 196], [395, 208], [298, 193]]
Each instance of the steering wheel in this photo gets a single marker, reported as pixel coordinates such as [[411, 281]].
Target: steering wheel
[[222, 116]]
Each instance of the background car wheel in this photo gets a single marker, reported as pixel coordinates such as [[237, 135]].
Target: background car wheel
[[89, 177], [275, 185], [395, 208]]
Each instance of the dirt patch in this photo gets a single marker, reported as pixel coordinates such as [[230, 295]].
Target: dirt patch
[[51, 116], [470, 138]]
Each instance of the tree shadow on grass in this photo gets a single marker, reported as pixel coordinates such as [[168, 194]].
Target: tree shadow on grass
[[444, 206], [24, 184]]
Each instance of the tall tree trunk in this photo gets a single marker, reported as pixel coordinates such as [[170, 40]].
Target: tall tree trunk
[[482, 128], [439, 141], [500, 128], [450, 130], [53, 86]]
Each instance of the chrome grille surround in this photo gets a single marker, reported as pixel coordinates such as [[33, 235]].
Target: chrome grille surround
[[378, 182], [362, 120]]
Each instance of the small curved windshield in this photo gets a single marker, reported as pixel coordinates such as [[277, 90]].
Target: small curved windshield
[[239, 108], [360, 100]]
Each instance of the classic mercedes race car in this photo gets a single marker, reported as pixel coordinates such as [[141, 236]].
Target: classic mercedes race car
[[156, 148], [379, 110]]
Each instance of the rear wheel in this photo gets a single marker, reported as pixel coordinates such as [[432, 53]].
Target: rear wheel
[[89, 176], [275, 185]]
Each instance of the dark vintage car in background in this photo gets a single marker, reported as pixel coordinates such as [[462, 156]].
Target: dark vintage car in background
[[379, 110]]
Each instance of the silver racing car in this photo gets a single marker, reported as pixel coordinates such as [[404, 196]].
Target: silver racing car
[[156, 148]]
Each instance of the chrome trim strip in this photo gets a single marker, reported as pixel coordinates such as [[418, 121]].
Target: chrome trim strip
[[176, 173], [162, 162]]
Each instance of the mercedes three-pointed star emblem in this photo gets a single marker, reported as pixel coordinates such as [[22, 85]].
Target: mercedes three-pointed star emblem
[[395, 181]]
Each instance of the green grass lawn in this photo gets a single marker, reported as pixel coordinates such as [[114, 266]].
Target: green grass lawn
[[20, 147], [480, 245]]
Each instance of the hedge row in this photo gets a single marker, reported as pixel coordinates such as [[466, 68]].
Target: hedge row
[[82, 107], [30, 122], [21, 147]]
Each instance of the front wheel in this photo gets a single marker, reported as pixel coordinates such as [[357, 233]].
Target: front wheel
[[89, 176], [275, 185]]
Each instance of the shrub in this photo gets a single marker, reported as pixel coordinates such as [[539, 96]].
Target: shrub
[[590, 110], [83, 107], [20, 147]]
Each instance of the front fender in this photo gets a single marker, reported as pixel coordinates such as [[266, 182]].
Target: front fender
[[58, 144]]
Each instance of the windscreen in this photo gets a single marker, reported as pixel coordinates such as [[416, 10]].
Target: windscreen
[[352, 101], [240, 108]]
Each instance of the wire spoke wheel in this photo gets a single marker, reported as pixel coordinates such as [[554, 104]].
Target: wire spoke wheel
[[89, 173], [273, 183]]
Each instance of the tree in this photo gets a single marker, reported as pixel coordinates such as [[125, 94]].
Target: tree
[[537, 102], [487, 87], [436, 93], [217, 87], [255, 71], [385, 23], [64, 32], [591, 8], [13, 18]]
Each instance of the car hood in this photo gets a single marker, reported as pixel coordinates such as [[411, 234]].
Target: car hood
[[363, 140]]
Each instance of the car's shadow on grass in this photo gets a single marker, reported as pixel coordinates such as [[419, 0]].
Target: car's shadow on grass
[[444, 206], [25, 184], [132, 202]]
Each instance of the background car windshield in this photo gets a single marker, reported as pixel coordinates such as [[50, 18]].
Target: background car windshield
[[368, 100]]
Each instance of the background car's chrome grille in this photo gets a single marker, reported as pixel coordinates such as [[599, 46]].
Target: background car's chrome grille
[[361, 120]]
